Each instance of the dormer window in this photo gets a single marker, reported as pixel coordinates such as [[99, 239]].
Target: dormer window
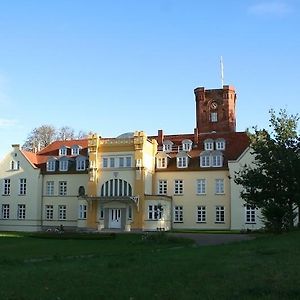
[[220, 144], [14, 165], [182, 160], [167, 146], [205, 159], [51, 165], [63, 151], [217, 159], [75, 150], [161, 160], [63, 165], [208, 145], [80, 163], [187, 145]]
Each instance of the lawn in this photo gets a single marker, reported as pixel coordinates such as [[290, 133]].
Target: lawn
[[131, 266]]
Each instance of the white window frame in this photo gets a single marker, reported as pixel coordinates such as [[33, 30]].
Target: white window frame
[[217, 160], [6, 186], [62, 212], [63, 151], [121, 162], [161, 162], [75, 150], [80, 164], [51, 165], [49, 212], [187, 146], [201, 186], [112, 162], [104, 162], [182, 162], [21, 211], [154, 213], [62, 188], [219, 186], [250, 214], [5, 211], [162, 187], [220, 145], [82, 211], [49, 188], [205, 161], [178, 187], [63, 165], [209, 145], [201, 214], [167, 147], [220, 214], [22, 186], [128, 162], [178, 214]]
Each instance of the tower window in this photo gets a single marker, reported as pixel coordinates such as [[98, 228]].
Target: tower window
[[214, 117]]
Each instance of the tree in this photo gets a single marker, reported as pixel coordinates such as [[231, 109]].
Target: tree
[[272, 182], [42, 136]]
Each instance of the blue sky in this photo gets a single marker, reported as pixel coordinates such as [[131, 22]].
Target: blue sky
[[116, 66]]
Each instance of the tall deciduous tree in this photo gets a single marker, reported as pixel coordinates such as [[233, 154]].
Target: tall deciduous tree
[[272, 183], [42, 136]]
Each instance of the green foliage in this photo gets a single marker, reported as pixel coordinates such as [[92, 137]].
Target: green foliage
[[273, 182]]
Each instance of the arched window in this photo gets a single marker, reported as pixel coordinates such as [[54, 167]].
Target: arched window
[[116, 187]]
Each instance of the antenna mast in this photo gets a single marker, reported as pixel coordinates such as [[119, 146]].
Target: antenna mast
[[222, 71]]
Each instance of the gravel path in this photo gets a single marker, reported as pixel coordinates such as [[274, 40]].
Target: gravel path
[[205, 239]]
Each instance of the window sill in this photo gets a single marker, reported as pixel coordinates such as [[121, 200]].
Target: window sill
[[5, 195], [199, 222], [178, 222], [200, 194], [219, 194], [220, 222], [21, 194], [250, 223]]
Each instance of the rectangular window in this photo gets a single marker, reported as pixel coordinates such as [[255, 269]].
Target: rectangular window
[[62, 212], [178, 187], [22, 189], [50, 188], [80, 164], [129, 212], [217, 160], [101, 212], [201, 186], [75, 151], [105, 162], [220, 214], [6, 187], [220, 145], [208, 146], [201, 214], [51, 165], [5, 211], [161, 162], [219, 186], [155, 212], [21, 211], [112, 162], [250, 214], [82, 211], [63, 165], [204, 160], [62, 188], [162, 187], [121, 162], [128, 161], [178, 214], [214, 117], [182, 162], [49, 212], [63, 151]]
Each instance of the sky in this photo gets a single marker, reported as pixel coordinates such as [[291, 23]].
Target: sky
[[115, 66]]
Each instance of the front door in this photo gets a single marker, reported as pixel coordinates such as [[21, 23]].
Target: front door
[[114, 218]]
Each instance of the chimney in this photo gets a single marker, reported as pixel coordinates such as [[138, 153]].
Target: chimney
[[160, 137]]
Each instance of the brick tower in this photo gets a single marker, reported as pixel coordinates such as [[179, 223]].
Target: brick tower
[[215, 109]]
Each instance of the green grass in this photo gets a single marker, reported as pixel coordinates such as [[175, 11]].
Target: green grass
[[133, 266]]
